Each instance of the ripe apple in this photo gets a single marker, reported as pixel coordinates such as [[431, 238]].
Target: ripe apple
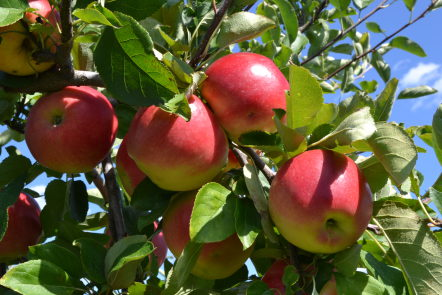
[[216, 260], [160, 246], [17, 43], [24, 228], [71, 130], [242, 89], [273, 276], [320, 201], [178, 155], [130, 174]]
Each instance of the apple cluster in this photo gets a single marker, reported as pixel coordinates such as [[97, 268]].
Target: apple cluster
[[22, 51]]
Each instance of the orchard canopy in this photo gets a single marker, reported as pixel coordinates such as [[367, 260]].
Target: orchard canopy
[[257, 158]]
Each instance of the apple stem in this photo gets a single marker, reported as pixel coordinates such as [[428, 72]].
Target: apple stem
[[116, 224]]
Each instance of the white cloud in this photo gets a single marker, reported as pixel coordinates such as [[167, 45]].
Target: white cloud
[[421, 74]]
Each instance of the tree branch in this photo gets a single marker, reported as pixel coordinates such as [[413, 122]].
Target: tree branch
[[356, 58], [345, 32], [63, 55], [99, 184], [116, 224], [202, 49], [51, 81], [315, 17]]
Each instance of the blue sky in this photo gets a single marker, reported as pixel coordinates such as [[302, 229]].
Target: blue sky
[[409, 69]]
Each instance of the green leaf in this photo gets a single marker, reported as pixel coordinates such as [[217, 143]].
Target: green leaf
[[343, 48], [181, 69], [95, 16], [374, 27], [13, 167], [384, 102], [289, 18], [257, 185], [437, 127], [54, 210], [374, 173], [416, 92], [369, 86], [437, 4], [347, 260], [406, 44], [213, 214], [125, 60], [242, 26], [123, 258], [436, 198], [138, 9], [179, 105], [380, 66], [357, 126], [390, 276], [360, 283], [141, 289], [92, 256], [11, 11], [8, 196], [38, 277], [183, 266], [247, 222], [395, 150], [361, 4], [353, 104], [78, 200], [416, 248], [290, 277], [340, 4], [61, 256], [410, 4], [258, 288], [305, 98]]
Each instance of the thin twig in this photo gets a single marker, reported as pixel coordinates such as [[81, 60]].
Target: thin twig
[[356, 58], [345, 32], [266, 170], [116, 224], [240, 156], [202, 49], [315, 17]]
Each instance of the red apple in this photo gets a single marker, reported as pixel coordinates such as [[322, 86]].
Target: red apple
[[320, 201], [17, 45], [242, 89], [24, 228], [71, 130], [232, 162], [178, 155], [273, 276], [160, 246], [130, 174], [216, 260], [329, 288]]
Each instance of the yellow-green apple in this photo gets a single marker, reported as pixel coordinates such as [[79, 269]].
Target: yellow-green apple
[[320, 201], [71, 130], [18, 44], [273, 276], [23, 229], [329, 288], [128, 171], [216, 260], [178, 155], [242, 89]]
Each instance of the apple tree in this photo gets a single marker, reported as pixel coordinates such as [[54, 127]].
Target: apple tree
[[228, 150]]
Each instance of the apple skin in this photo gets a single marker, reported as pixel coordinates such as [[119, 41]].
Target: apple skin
[[242, 89], [17, 47], [160, 246], [320, 201], [24, 229], [329, 288], [216, 260], [273, 276], [130, 174], [71, 130], [178, 155]]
